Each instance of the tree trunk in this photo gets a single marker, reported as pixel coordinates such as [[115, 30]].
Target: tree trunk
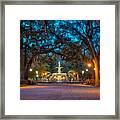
[[24, 77], [26, 70], [96, 65], [26, 74], [77, 77]]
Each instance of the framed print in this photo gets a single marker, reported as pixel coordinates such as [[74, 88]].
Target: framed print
[[59, 60]]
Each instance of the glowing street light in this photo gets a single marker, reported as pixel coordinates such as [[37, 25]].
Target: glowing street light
[[89, 64], [86, 69], [36, 72], [30, 69], [45, 73], [36, 75], [83, 72]]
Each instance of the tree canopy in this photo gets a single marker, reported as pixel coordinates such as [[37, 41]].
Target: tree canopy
[[71, 40]]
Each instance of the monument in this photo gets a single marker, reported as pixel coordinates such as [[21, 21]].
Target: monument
[[59, 76]]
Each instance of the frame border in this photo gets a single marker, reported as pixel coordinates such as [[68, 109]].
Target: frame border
[[55, 2]]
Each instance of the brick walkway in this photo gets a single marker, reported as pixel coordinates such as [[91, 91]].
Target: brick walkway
[[60, 92]]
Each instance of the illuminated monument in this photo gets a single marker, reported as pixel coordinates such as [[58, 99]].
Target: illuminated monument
[[59, 76], [59, 67]]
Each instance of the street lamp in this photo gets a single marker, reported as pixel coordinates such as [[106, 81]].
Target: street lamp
[[86, 69], [30, 69], [89, 64], [36, 72], [83, 72], [36, 75], [45, 73]]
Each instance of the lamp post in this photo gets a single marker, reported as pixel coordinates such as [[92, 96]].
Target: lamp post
[[90, 65], [36, 72], [36, 75], [83, 72], [31, 78]]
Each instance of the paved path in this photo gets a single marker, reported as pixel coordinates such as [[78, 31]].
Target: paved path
[[60, 92]]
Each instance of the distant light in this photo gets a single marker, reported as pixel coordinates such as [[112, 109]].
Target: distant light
[[45, 73], [89, 64], [31, 69], [74, 73], [36, 72], [36, 75], [94, 68], [83, 72], [86, 69]]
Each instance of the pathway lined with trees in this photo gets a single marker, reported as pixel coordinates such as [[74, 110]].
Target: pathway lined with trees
[[77, 42]]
